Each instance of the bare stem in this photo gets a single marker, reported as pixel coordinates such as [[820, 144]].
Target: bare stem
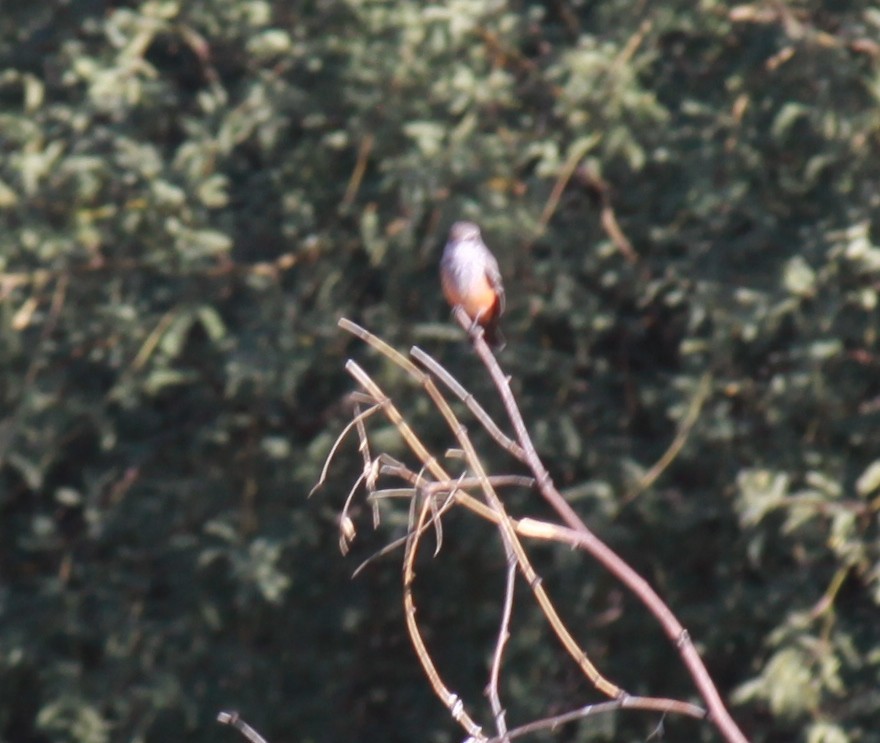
[[500, 644]]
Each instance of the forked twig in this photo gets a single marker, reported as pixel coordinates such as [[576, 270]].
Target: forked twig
[[451, 700]]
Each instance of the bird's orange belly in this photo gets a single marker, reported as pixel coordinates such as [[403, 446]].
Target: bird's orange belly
[[479, 300]]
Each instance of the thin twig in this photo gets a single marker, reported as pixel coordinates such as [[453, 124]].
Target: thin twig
[[360, 167], [358, 419], [463, 483], [589, 710], [233, 719], [371, 469], [568, 168], [681, 437], [479, 412], [452, 701], [500, 643], [545, 483]]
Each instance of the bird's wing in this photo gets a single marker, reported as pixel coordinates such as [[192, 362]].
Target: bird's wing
[[493, 274]]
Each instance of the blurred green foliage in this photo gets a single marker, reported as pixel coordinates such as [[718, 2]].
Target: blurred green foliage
[[191, 194]]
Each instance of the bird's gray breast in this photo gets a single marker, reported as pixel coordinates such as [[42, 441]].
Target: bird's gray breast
[[465, 264]]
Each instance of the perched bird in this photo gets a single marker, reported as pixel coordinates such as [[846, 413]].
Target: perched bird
[[471, 279]]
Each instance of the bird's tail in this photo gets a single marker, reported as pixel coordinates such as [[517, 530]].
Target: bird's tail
[[494, 336]]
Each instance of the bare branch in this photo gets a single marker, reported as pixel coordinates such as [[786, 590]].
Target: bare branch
[[433, 481], [583, 537]]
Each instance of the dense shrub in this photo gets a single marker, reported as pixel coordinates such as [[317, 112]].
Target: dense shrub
[[191, 194]]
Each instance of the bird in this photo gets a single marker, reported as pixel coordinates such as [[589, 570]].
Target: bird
[[471, 280]]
